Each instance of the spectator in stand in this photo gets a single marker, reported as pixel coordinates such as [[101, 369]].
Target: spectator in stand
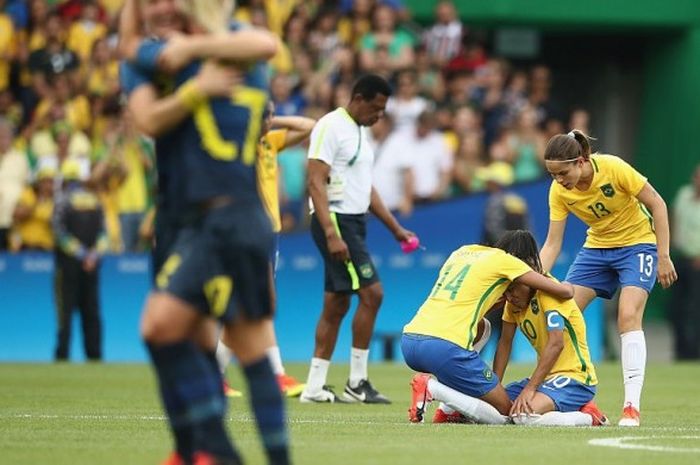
[[83, 33], [515, 95], [102, 73], [460, 87], [352, 27], [31, 220], [392, 174], [465, 120], [468, 162], [685, 304], [471, 57], [399, 44], [430, 81], [540, 95], [527, 146], [63, 92], [489, 97], [10, 109], [444, 39], [30, 38], [580, 119], [323, 38], [430, 158], [406, 105], [7, 41], [14, 173], [287, 101], [53, 58]]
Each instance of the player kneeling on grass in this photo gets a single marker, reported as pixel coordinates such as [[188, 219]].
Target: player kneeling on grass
[[442, 337], [561, 389]]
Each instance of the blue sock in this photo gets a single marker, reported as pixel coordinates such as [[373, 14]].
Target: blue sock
[[163, 358], [194, 393], [268, 406]]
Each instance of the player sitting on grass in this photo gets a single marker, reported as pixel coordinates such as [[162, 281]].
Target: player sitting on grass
[[560, 391]]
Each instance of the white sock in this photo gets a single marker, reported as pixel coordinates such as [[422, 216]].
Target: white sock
[[478, 345], [446, 408], [634, 358], [471, 407], [555, 419], [273, 353], [358, 365], [318, 372], [223, 356]]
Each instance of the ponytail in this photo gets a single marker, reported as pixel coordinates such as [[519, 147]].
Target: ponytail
[[568, 147]]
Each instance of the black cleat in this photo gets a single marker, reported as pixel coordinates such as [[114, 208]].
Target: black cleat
[[364, 392]]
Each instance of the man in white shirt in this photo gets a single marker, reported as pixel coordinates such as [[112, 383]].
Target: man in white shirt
[[340, 185], [392, 176], [430, 157], [14, 173]]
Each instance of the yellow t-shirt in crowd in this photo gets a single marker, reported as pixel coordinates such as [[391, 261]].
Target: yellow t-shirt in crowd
[[609, 207], [267, 172], [77, 111], [6, 49], [35, 231], [100, 80], [132, 195], [537, 320], [471, 281], [82, 36]]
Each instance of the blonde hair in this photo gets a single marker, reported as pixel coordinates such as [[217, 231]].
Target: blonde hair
[[212, 15]]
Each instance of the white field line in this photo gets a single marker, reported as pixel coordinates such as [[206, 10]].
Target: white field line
[[338, 421], [633, 442]]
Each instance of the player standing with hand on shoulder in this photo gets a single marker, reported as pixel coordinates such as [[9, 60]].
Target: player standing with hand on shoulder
[[627, 243]]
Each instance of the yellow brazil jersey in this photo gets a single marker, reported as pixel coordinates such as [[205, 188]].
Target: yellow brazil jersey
[[609, 207], [270, 144], [7, 45], [472, 279], [36, 231], [574, 360]]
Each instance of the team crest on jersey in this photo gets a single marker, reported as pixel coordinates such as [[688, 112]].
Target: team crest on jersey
[[608, 190], [535, 306], [488, 374], [366, 271]]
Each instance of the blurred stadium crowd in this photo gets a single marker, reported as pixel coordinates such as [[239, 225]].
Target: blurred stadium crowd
[[460, 116]]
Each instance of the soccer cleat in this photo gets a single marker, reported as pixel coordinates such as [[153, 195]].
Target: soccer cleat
[[455, 417], [420, 397], [365, 393], [230, 392], [289, 386], [599, 418], [173, 459], [204, 458], [325, 395], [630, 416]]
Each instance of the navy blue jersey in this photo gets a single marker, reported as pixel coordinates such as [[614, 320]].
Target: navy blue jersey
[[218, 141]]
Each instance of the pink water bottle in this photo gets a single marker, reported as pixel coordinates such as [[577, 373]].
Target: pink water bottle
[[410, 244]]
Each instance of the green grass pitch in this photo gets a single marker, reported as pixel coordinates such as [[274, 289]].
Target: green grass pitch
[[110, 414]]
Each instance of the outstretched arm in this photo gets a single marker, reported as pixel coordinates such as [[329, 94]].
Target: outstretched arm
[[652, 200], [542, 283], [552, 245], [505, 345]]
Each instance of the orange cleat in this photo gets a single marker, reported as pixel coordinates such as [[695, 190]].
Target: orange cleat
[[230, 392], [289, 385], [173, 459], [420, 397], [455, 417], [599, 418], [630, 416]]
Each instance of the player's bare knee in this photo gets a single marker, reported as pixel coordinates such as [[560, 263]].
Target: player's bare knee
[[629, 319], [372, 296]]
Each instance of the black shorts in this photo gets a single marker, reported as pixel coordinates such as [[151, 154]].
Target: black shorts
[[220, 265], [359, 271]]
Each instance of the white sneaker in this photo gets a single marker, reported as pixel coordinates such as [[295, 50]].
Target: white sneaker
[[325, 395]]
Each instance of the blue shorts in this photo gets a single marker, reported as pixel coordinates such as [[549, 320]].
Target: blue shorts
[[461, 369], [567, 394], [220, 265], [604, 270]]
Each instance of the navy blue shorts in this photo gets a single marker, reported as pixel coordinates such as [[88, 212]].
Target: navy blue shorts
[[604, 270], [567, 394], [462, 370], [220, 265]]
